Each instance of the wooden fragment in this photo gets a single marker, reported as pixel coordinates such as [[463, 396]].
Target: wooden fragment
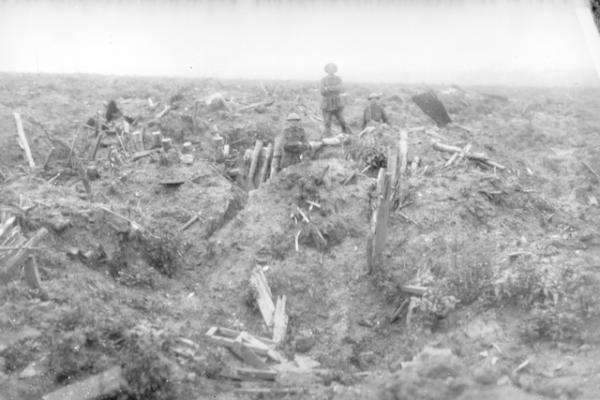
[[262, 175], [103, 384], [403, 152], [250, 373], [277, 154], [414, 290], [392, 167], [589, 168], [142, 154], [96, 145], [377, 237], [190, 222], [23, 140], [479, 157], [32, 275], [6, 225], [247, 355], [254, 163], [280, 320], [12, 264], [259, 345], [263, 295]]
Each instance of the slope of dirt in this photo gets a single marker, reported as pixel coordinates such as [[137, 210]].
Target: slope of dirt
[[509, 258]]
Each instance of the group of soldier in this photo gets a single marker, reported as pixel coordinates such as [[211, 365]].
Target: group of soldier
[[331, 106]]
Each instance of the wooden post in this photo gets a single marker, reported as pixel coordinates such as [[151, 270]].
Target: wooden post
[[403, 152], [277, 154], [254, 163], [23, 140], [280, 320], [376, 240], [263, 295], [262, 175], [392, 167]]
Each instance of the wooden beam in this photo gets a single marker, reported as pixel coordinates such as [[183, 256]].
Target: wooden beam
[[23, 140]]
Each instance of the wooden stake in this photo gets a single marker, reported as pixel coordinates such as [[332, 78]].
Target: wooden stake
[[264, 169], [376, 240], [403, 152], [277, 154], [280, 320], [23, 140], [254, 163], [393, 168]]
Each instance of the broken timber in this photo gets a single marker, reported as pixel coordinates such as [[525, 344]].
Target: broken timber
[[231, 338], [254, 163], [377, 236], [264, 298], [262, 175], [100, 385], [23, 140], [280, 320], [12, 264], [479, 157]]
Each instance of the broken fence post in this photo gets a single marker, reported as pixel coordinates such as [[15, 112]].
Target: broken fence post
[[280, 320], [254, 163], [23, 140], [377, 237], [262, 175]]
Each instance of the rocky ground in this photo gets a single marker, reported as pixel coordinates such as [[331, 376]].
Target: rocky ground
[[508, 257]]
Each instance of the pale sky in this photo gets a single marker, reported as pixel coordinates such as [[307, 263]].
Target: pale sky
[[492, 42]]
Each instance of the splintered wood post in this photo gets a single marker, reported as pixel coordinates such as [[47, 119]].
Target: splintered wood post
[[254, 163], [263, 295], [277, 154], [262, 176], [280, 320], [379, 222], [12, 264], [403, 152], [23, 140], [392, 166], [103, 384]]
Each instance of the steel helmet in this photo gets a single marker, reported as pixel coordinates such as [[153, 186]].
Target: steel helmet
[[331, 68], [293, 117]]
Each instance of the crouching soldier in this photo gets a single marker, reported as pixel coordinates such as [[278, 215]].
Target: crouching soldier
[[374, 111], [290, 144], [331, 88]]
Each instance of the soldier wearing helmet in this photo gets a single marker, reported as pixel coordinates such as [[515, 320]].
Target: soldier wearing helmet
[[331, 87], [292, 142], [374, 111]]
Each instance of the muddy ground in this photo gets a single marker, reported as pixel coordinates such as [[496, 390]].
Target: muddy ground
[[509, 258]]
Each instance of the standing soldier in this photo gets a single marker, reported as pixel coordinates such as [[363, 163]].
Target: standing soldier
[[291, 143], [331, 87], [374, 111]]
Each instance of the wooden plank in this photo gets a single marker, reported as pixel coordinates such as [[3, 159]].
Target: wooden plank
[[246, 354], [6, 225], [103, 384], [23, 140], [227, 337], [264, 298], [280, 320], [264, 169], [254, 163]]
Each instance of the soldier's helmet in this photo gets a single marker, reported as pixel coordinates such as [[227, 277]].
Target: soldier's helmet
[[374, 96], [293, 117], [331, 68]]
